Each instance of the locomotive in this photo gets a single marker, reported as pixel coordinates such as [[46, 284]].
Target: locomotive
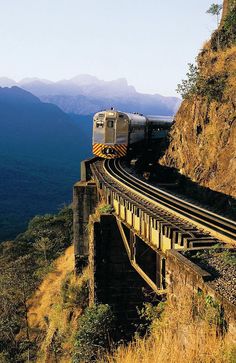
[[114, 131]]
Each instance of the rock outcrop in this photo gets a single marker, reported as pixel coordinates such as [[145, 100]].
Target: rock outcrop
[[203, 137]]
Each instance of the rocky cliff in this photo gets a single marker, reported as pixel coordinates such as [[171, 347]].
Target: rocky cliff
[[203, 137]]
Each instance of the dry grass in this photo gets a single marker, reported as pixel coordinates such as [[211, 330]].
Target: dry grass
[[179, 338], [52, 322], [49, 290]]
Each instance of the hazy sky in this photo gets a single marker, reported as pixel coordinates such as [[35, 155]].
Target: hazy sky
[[149, 42]]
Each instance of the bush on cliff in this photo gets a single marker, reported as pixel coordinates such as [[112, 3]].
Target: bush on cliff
[[196, 84], [93, 337]]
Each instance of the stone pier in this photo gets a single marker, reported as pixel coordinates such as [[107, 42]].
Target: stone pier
[[84, 203], [114, 281]]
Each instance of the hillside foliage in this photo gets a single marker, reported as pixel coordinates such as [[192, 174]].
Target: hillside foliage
[[202, 139], [93, 336], [211, 86], [23, 264], [225, 36]]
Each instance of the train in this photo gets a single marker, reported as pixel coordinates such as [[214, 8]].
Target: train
[[114, 132]]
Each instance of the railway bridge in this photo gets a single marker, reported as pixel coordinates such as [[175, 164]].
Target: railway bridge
[[140, 238]]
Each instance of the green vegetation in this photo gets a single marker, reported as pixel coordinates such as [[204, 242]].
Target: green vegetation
[[106, 209], [211, 86], [23, 264], [149, 314], [213, 313], [93, 337], [196, 84], [188, 87], [225, 36], [229, 257], [215, 9]]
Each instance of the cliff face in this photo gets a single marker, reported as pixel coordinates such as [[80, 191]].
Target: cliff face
[[203, 137]]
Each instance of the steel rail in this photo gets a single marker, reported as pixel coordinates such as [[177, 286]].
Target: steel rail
[[214, 223], [226, 220]]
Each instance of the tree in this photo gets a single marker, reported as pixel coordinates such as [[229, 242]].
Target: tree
[[188, 87], [10, 320], [21, 263], [24, 283], [17, 282], [44, 245], [215, 9]]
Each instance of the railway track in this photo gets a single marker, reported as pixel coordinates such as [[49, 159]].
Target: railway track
[[222, 228], [147, 206]]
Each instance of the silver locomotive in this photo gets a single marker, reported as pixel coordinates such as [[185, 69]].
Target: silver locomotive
[[115, 131]]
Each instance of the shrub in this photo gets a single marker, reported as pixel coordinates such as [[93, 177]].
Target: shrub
[[188, 87], [74, 293], [229, 257], [106, 209], [95, 328], [211, 87], [150, 312]]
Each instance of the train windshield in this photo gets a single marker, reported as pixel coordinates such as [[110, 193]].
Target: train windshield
[[99, 128], [110, 123], [110, 131]]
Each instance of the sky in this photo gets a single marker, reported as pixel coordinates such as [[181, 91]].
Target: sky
[[148, 42]]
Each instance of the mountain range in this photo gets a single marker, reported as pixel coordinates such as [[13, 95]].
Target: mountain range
[[86, 94], [41, 144], [40, 152]]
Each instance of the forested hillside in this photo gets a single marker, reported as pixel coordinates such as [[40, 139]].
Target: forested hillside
[[40, 152], [24, 262]]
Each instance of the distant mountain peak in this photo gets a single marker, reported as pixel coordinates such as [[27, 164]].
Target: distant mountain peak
[[7, 82], [85, 94], [84, 79], [121, 80], [34, 80], [17, 95]]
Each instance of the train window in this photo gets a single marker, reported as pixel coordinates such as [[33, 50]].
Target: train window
[[99, 124], [110, 123]]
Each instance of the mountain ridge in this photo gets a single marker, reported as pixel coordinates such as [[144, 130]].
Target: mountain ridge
[[40, 152], [85, 94]]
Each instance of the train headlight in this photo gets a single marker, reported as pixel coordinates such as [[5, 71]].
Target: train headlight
[[109, 151]]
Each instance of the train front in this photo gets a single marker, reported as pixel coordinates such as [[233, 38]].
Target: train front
[[110, 134]]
